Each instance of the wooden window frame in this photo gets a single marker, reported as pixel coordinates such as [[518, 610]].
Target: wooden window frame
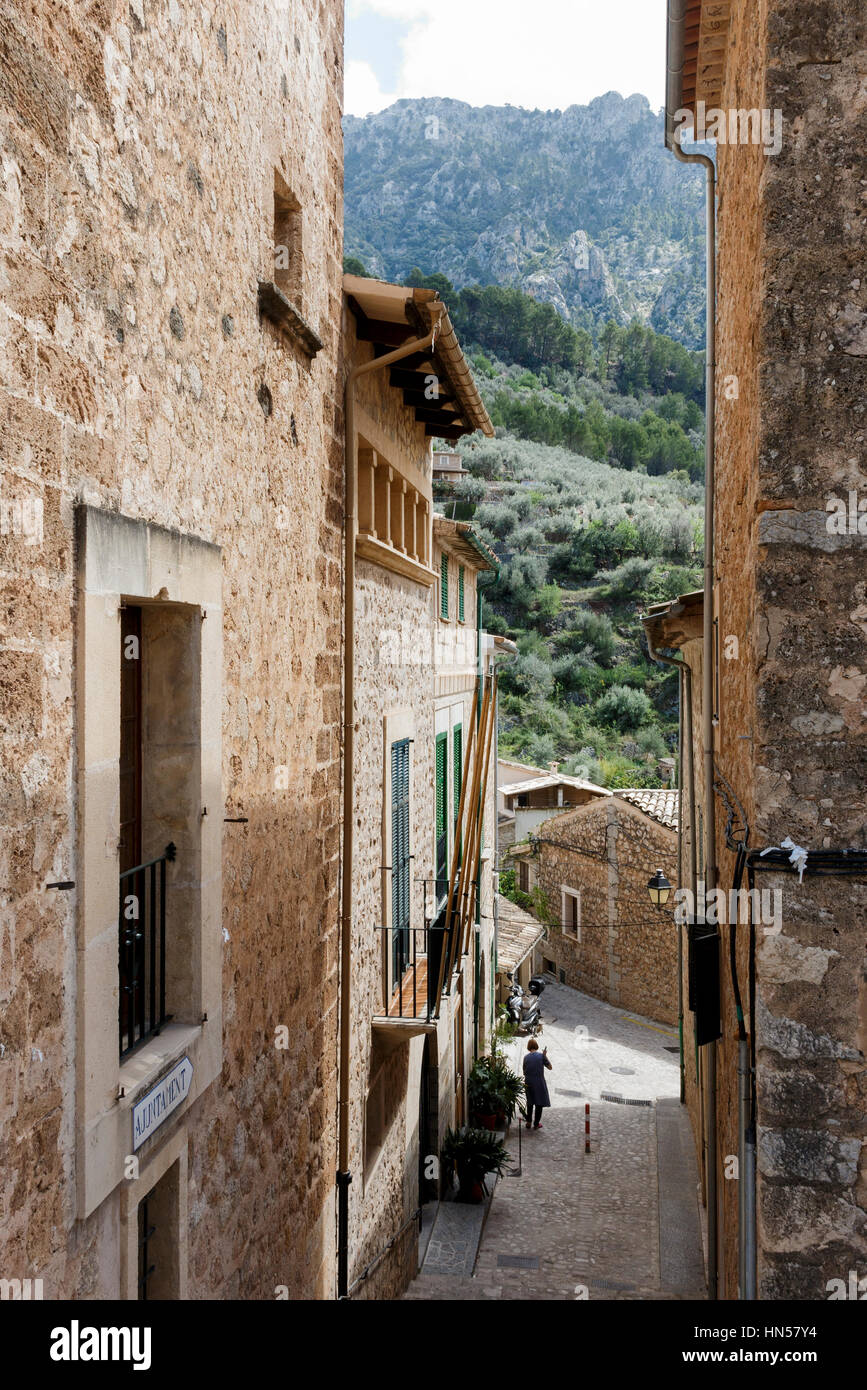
[[568, 928]]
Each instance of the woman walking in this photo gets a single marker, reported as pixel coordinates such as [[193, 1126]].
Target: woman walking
[[535, 1064]]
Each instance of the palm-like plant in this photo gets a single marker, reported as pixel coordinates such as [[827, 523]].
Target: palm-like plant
[[500, 1084], [472, 1154]]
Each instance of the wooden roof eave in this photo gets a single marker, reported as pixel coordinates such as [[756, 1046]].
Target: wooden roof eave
[[389, 316]]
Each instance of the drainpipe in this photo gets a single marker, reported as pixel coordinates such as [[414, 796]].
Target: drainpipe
[[344, 1176], [503, 646], [674, 94], [682, 672]]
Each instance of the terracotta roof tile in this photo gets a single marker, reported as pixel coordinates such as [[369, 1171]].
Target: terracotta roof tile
[[660, 803]]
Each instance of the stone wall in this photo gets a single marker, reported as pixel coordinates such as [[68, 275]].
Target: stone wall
[[140, 143], [394, 700], [792, 735], [627, 952]]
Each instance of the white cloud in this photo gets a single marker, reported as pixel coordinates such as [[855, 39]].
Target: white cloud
[[534, 53], [362, 92]]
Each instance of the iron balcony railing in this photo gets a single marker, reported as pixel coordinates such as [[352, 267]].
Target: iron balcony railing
[[142, 951], [416, 953]]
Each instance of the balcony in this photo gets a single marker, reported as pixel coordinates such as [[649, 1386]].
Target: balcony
[[416, 955], [393, 519]]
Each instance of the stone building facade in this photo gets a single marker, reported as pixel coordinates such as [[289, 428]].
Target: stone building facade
[[419, 655], [592, 866], [789, 733], [171, 484]]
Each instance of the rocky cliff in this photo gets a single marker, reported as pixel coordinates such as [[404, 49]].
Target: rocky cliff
[[583, 208]]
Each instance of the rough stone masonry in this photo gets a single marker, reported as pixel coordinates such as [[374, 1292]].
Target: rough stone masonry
[[139, 148]]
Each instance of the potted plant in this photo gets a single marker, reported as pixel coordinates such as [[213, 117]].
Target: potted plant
[[472, 1154], [483, 1097], [498, 1088]]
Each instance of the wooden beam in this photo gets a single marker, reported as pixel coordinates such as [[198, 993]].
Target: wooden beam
[[474, 884], [429, 415], [447, 432], [456, 848], [418, 359], [424, 402], [458, 907], [388, 334], [412, 381]]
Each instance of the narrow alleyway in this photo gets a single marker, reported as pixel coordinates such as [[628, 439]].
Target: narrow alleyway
[[621, 1222]]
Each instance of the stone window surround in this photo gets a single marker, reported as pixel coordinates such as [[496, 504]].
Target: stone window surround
[[121, 558], [567, 892]]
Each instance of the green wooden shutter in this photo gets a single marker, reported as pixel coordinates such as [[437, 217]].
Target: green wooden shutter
[[442, 832], [461, 592], [444, 586], [441, 784], [400, 848], [458, 753]]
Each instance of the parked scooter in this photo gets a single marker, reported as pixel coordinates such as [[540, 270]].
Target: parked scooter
[[523, 1009]]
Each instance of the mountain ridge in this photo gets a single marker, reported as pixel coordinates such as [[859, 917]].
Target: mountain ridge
[[581, 207]]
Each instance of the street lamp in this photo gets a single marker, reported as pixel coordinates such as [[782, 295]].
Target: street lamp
[[659, 888]]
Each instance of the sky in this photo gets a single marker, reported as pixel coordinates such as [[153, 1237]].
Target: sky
[[534, 53]]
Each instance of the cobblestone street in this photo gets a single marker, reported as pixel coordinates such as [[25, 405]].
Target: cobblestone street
[[621, 1222]]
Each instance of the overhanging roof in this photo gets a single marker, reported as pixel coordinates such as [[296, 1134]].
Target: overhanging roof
[[517, 933], [552, 779], [698, 38], [459, 538], [676, 622], [389, 315]]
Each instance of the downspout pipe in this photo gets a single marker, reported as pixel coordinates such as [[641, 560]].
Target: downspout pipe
[[684, 698], [673, 127], [344, 1176], [503, 647]]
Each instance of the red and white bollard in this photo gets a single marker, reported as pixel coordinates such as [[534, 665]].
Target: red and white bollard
[[587, 1128]]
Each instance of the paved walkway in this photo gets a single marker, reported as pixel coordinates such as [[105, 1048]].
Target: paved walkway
[[621, 1222]]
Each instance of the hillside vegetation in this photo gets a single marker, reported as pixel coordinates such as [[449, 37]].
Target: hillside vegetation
[[591, 495], [584, 547]]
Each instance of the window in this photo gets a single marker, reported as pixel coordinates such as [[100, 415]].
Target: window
[[151, 674], [442, 831], [444, 586], [460, 593], [287, 242], [523, 876], [159, 665], [570, 916], [400, 857]]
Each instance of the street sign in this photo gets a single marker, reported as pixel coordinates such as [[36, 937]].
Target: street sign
[[149, 1113]]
